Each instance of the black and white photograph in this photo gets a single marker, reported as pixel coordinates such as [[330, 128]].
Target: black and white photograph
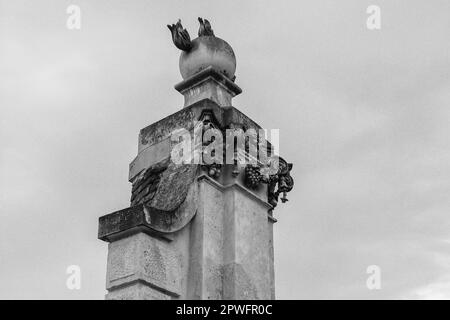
[[248, 151]]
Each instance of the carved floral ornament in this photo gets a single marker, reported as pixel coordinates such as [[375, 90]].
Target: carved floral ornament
[[204, 146], [206, 143], [273, 171], [279, 183]]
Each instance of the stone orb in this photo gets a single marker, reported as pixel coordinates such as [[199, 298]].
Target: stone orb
[[208, 51]]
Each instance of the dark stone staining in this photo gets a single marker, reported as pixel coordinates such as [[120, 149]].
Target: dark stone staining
[[237, 119], [113, 223], [163, 200], [163, 187], [144, 187], [173, 187], [186, 118]]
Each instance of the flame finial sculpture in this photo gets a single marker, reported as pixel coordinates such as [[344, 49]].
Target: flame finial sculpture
[[205, 51], [180, 36], [205, 28]]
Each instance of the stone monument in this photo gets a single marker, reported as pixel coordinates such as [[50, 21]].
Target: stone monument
[[198, 229]]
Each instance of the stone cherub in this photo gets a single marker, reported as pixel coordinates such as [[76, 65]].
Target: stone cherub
[[181, 38]]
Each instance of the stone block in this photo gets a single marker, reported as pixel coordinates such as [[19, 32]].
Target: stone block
[[147, 260]]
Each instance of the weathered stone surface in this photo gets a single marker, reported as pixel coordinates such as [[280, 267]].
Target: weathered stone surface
[[271, 257], [162, 129], [145, 185], [154, 186], [129, 220], [173, 186], [225, 252], [147, 259], [174, 212], [227, 117], [230, 244], [152, 155], [208, 52], [246, 250], [137, 291], [207, 240], [163, 186], [187, 235], [209, 83], [252, 254]]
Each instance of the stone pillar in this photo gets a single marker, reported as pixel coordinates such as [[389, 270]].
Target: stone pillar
[[208, 84], [195, 231]]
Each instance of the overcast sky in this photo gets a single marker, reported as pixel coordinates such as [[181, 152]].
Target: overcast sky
[[363, 115]]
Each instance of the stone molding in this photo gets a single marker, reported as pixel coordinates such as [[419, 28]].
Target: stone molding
[[208, 83]]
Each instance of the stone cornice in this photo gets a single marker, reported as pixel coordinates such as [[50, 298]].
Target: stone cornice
[[236, 185]]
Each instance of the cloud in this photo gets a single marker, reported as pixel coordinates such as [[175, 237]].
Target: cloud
[[362, 115], [440, 288]]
